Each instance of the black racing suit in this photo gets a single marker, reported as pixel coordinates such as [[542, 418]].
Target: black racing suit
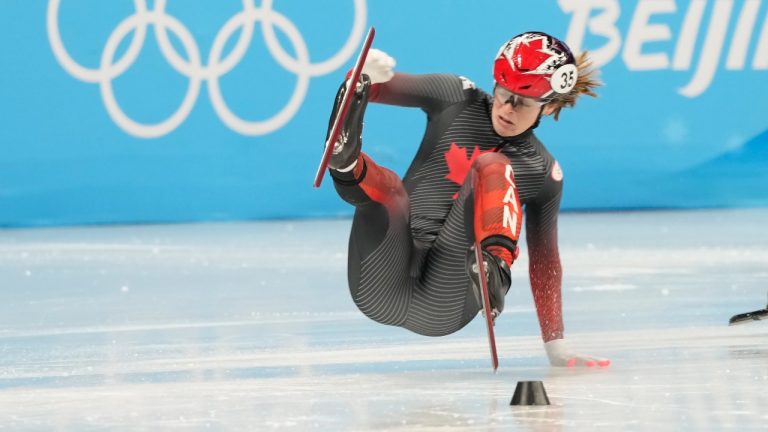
[[409, 240]]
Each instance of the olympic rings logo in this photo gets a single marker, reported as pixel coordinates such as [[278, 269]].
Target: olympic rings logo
[[193, 68]]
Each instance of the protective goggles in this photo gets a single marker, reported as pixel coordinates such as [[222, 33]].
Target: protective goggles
[[518, 102]]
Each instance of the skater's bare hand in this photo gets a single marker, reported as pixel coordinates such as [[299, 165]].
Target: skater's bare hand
[[379, 66], [560, 356]]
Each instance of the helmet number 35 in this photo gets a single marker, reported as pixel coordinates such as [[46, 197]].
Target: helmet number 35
[[564, 78]]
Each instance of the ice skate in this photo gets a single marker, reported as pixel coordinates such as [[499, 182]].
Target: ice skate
[[743, 318], [347, 147], [498, 277]]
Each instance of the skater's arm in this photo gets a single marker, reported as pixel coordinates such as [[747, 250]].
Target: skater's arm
[[432, 93], [547, 275], [544, 266]]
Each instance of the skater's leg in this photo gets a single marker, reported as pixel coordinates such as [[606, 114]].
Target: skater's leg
[[497, 222], [497, 210], [380, 245], [444, 302], [446, 299]]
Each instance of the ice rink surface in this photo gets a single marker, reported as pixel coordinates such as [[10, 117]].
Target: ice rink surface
[[249, 326]]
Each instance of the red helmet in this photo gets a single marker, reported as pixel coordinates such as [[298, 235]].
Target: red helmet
[[535, 65]]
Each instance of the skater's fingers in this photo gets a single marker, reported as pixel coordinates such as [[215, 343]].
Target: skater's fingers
[[587, 361], [378, 66], [578, 361], [384, 62], [379, 59], [560, 356], [379, 56]]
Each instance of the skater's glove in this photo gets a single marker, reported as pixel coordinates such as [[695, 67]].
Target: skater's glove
[[560, 356], [379, 66]]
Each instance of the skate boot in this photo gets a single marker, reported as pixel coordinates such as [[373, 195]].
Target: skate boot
[[347, 147], [742, 318], [498, 277]]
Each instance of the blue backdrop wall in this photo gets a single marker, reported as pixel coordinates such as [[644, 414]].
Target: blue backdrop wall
[[151, 111]]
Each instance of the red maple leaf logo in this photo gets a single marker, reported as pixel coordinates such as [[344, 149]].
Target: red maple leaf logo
[[459, 164]]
